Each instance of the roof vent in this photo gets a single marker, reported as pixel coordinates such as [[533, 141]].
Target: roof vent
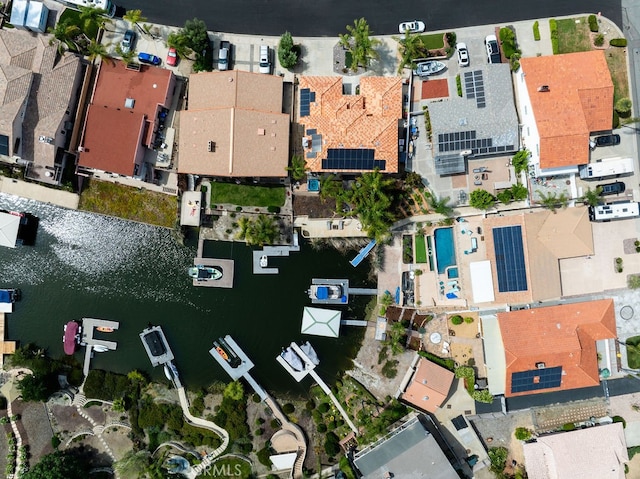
[[261, 131], [544, 88], [129, 103], [424, 381], [462, 121], [425, 398], [541, 365], [212, 146]]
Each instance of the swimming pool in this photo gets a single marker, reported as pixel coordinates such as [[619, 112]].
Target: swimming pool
[[445, 249]]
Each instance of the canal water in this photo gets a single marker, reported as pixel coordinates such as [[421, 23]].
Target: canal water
[[86, 265]]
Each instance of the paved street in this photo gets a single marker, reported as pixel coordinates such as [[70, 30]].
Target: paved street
[[329, 17]]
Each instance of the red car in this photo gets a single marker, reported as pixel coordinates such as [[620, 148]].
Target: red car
[[172, 57]]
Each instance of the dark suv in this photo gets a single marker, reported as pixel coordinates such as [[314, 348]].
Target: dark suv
[[612, 188], [607, 140]]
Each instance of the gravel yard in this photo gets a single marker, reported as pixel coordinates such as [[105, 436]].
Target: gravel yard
[[498, 430]]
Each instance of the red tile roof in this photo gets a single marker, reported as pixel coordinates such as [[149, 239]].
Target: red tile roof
[[429, 386], [367, 120], [578, 101], [563, 335], [150, 88]]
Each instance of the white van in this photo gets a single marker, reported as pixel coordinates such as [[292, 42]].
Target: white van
[[223, 56], [265, 63]]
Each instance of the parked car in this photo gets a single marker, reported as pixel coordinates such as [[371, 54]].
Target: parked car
[[172, 57], [415, 26], [463, 54], [265, 63], [607, 140], [127, 41], [223, 56], [148, 58], [612, 188], [493, 50]]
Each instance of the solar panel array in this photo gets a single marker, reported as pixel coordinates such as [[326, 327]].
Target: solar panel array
[[306, 97], [474, 87], [536, 379], [352, 159], [510, 265], [466, 140]]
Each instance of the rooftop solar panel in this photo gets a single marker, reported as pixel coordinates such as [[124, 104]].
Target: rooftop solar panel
[[510, 265], [536, 379]]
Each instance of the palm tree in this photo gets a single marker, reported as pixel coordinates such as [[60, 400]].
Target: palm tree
[[552, 201], [263, 230], [243, 223], [396, 333], [179, 42], [592, 197], [64, 33], [93, 18], [410, 47], [371, 201], [441, 206], [134, 17], [97, 50], [298, 168], [358, 42], [330, 187]]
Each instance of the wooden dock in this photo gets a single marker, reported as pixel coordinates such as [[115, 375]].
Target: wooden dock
[[88, 327], [225, 265], [6, 347]]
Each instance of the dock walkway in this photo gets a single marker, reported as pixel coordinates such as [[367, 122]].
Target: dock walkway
[[88, 327], [282, 250], [6, 347]]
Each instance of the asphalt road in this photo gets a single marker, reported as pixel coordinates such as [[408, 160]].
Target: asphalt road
[[317, 18]]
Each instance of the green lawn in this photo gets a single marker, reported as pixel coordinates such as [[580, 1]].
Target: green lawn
[[572, 36], [134, 204], [90, 29], [433, 41], [421, 249], [244, 195], [633, 352], [617, 61]]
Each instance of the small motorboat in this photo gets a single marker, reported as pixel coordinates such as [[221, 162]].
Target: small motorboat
[[431, 67], [7, 298], [72, 337], [167, 372], [310, 352], [104, 329], [327, 292], [100, 348], [264, 261], [292, 359], [205, 273]]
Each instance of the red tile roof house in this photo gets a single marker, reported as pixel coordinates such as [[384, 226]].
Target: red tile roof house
[[429, 386], [121, 119], [561, 100], [234, 127], [350, 133], [553, 348], [38, 96]]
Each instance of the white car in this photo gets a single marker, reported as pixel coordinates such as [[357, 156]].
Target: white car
[[265, 63], [415, 26], [463, 54]]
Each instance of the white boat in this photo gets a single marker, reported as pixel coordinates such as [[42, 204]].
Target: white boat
[[310, 352], [205, 273], [100, 348], [326, 292], [264, 260], [431, 67], [167, 372], [292, 359]]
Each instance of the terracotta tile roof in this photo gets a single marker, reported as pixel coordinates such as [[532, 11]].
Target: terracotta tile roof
[[368, 120], [435, 89], [593, 452], [241, 114], [429, 386], [151, 88], [561, 335], [571, 109]]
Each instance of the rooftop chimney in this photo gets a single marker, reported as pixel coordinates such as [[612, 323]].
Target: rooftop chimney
[[544, 88]]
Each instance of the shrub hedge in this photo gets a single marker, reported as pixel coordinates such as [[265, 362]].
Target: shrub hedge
[[553, 27], [618, 42], [593, 23], [536, 31], [456, 320]]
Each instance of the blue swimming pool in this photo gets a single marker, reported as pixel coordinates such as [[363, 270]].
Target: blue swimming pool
[[445, 249]]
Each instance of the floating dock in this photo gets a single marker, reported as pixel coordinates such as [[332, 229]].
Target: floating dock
[[273, 251], [88, 328], [235, 362], [225, 265], [156, 345], [364, 252]]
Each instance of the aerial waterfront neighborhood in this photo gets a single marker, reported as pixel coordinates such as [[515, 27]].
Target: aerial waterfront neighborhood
[[402, 254]]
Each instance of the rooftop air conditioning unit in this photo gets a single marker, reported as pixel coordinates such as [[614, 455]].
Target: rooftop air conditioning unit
[[541, 365]]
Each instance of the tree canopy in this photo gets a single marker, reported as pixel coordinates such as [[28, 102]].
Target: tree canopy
[[33, 387], [482, 199], [287, 52], [58, 465]]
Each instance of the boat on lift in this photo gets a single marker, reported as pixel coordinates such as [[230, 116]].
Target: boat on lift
[[292, 359], [7, 298]]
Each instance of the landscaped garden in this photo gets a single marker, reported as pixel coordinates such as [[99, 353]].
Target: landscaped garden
[[244, 195]]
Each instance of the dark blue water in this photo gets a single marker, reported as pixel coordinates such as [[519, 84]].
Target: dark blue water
[[86, 265]]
